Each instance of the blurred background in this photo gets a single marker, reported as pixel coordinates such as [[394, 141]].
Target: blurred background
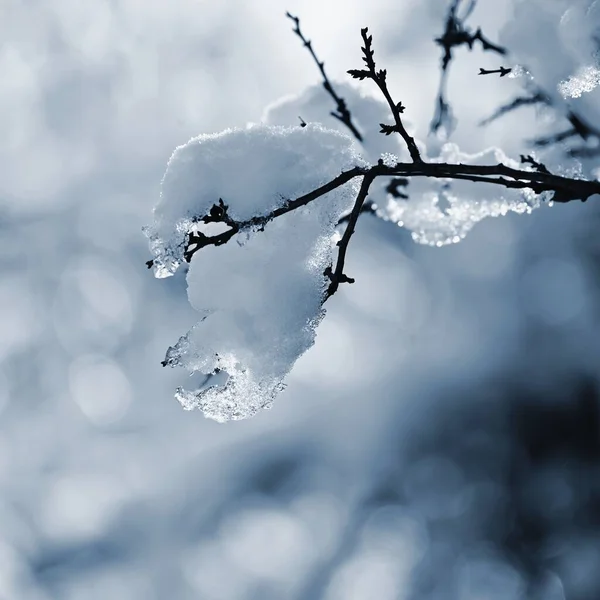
[[440, 441]]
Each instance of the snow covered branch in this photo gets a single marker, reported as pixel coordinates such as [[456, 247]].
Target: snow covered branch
[[255, 212], [540, 180]]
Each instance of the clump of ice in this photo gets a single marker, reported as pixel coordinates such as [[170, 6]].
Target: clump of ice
[[261, 301], [583, 82], [440, 212]]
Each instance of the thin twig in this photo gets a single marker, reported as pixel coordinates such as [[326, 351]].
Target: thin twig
[[537, 98], [379, 77], [338, 276], [534, 163], [368, 207], [579, 127], [343, 113], [502, 71]]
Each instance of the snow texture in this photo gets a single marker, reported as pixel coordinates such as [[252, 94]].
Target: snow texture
[[436, 212], [439, 212], [254, 170], [314, 105], [260, 298], [583, 82], [262, 314]]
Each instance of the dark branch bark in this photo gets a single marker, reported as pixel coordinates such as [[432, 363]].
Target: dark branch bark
[[343, 113], [337, 276], [565, 189], [578, 126], [502, 71]]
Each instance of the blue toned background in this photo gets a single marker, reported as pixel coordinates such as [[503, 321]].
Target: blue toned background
[[441, 439]]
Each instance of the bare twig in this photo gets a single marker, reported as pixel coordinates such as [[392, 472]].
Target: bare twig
[[343, 113], [539, 180], [456, 34], [337, 276], [394, 184], [502, 71], [534, 163], [537, 98], [368, 207], [579, 128], [379, 77]]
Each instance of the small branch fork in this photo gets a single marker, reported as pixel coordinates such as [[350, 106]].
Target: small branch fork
[[343, 113], [337, 276], [502, 71]]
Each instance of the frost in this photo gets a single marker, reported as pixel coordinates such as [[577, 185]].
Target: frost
[[440, 212], [561, 53], [261, 301], [519, 71], [584, 81]]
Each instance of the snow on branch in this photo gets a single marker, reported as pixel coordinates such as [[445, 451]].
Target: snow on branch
[[255, 213]]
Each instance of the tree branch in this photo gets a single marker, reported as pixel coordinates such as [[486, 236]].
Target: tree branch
[[343, 113], [368, 207], [538, 178], [379, 77], [565, 189], [337, 276], [502, 71]]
